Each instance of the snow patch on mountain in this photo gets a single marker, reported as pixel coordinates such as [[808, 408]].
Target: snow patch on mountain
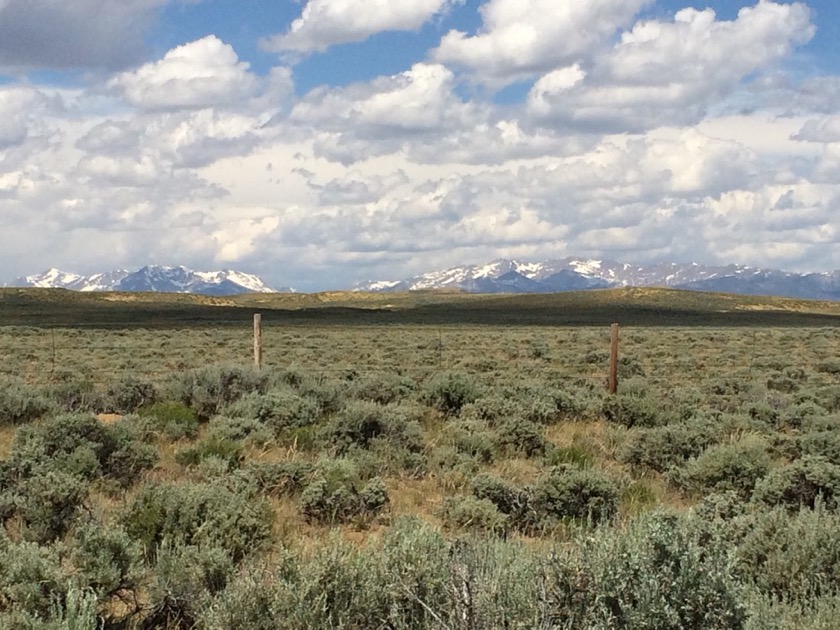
[[52, 277], [381, 285]]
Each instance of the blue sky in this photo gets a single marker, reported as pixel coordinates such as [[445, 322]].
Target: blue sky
[[324, 142]]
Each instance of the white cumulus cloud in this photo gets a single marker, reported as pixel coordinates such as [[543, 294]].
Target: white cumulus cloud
[[520, 38], [670, 72], [203, 73], [385, 114], [324, 23]]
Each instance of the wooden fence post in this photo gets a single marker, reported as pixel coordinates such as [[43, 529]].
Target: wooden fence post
[[613, 380], [258, 340]]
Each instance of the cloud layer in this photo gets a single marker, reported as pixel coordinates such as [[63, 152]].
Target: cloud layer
[[674, 136], [73, 33]]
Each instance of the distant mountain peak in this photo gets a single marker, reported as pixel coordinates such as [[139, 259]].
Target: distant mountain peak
[[575, 274], [156, 278]]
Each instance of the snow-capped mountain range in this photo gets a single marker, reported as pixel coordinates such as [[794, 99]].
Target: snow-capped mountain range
[[152, 278], [498, 276], [574, 274]]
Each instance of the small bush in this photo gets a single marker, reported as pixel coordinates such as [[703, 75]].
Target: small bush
[[800, 415], [800, 484], [280, 410], [383, 388], [360, 423], [629, 367], [78, 611], [48, 503], [720, 506], [509, 499], [128, 394], [829, 366], [305, 439], [209, 389], [538, 403], [523, 437], [733, 466], [31, 578], [279, 479], [822, 422], [20, 403], [778, 382], [333, 495], [635, 411], [822, 443], [580, 454], [660, 448], [74, 392], [184, 582], [493, 409], [471, 514], [249, 601], [764, 414], [794, 557], [106, 559], [203, 514], [653, 574], [638, 496], [175, 419], [473, 439], [245, 430], [81, 445], [373, 498], [450, 391], [329, 394], [829, 397], [565, 492], [212, 446]]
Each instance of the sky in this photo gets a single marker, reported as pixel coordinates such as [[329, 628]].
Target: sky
[[321, 143]]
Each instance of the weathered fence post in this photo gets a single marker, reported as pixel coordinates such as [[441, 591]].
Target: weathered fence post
[[613, 380], [258, 340]]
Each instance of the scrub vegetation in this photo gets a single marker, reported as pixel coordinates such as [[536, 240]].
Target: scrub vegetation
[[402, 475]]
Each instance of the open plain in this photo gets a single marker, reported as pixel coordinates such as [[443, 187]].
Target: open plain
[[424, 460]]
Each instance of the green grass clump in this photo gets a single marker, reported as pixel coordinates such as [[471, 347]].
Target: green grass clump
[[173, 419]]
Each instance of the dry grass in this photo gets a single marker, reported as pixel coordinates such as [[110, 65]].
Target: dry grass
[[7, 436], [415, 497], [568, 433], [518, 470]]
